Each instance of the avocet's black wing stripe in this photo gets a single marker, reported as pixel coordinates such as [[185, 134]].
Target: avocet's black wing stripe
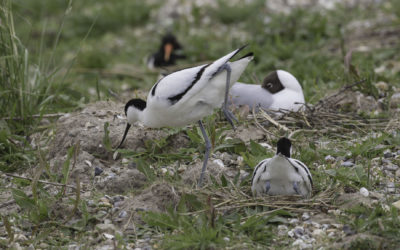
[[153, 91], [305, 169], [174, 99], [256, 169]]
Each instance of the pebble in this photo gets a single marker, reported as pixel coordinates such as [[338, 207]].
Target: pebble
[[330, 159], [226, 239], [219, 162], [388, 154], [98, 171], [182, 168], [240, 160], [298, 231], [390, 187], [293, 221], [347, 230], [123, 214], [105, 228], [282, 229], [305, 216], [318, 232], [398, 173], [391, 167], [396, 204], [347, 164], [301, 244], [364, 192]]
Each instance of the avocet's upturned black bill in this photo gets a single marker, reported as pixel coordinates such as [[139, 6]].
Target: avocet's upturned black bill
[[281, 175], [280, 90], [188, 95], [166, 55]]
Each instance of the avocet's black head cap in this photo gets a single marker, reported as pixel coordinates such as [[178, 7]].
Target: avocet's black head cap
[[283, 146], [272, 83], [171, 39], [137, 103]]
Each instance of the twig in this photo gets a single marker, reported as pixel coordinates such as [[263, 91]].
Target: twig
[[270, 119], [34, 116], [44, 182]]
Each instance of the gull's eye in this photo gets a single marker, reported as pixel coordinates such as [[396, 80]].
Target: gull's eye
[[269, 85]]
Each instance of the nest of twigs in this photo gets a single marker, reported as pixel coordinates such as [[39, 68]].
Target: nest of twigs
[[326, 117]]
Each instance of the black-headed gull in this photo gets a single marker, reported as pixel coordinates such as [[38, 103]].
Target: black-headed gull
[[282, 175], [280, 90], [188, 95]]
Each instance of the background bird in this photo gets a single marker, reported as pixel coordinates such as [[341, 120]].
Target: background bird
[[188, 95], [282, 175], [167, 53], [279, 90]]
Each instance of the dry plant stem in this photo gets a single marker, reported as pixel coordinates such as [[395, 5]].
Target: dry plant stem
[[270, 119], [44, 182], [35, 116]]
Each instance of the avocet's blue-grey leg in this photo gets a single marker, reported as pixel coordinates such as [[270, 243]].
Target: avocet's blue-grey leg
[[228, 114], [206, 154], [267, 186], [296, 187]]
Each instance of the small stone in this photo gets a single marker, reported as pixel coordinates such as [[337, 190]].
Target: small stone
[[124, 161], [347, 230], [325, 226], [301, 244], [391, 167], [20, 237], [293, 221], [298, 231], [226, 239], [318, 232], [315, 224], [364, 192], [305, 216], [105, 228], [98, 171], [123, 214], [396, 204], [347, 164], [240, 160], [164, 171], [395, 100], [182, 168], [219, 162], [91, 203], [282, 229], [388, 154], [398, 173], [390, 187], [15, 246], [331, 234], [382, 86], [330, 159]]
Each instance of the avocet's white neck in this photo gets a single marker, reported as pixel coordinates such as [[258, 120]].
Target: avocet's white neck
[[134, 114]]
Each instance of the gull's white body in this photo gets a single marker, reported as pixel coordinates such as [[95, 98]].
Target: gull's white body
[[281, 172], [206, 94], [255, 96]]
